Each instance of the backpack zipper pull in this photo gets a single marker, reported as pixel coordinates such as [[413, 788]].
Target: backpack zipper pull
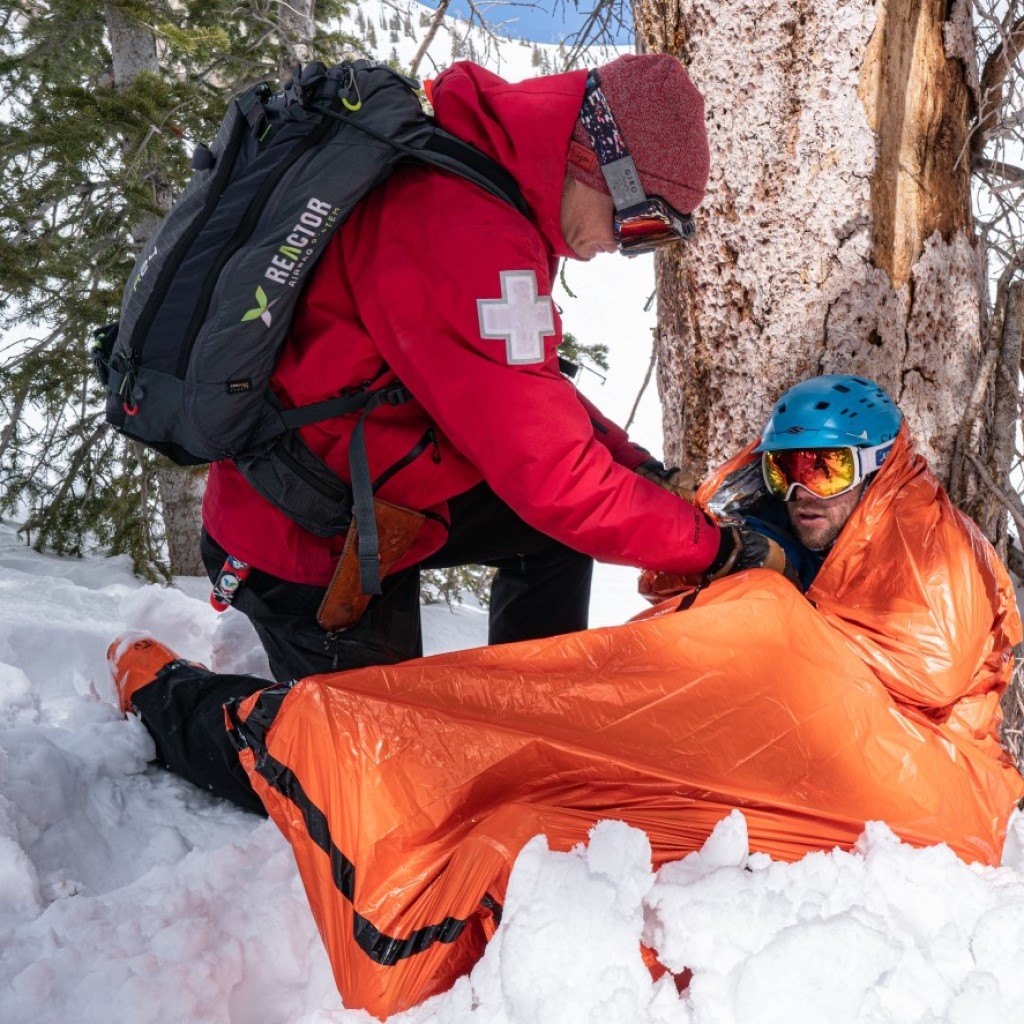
[[353, 86], [331, 647]]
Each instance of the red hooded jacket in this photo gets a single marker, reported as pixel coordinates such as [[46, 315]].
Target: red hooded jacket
[[397, 294]]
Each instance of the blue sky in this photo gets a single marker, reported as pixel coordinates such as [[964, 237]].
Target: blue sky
[[531, 22]]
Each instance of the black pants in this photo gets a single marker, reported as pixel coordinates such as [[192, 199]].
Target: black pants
[[183, 709], [541, 589]]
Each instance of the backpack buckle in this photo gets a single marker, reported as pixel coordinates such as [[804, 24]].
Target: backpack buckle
[[395, 394], [300, 90], [101, 351], [292, 91], [251, 105]]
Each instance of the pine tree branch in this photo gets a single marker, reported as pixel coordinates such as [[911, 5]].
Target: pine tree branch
[[37, 349], [25, 228], [7, 435], [46, 523], [67, 128]]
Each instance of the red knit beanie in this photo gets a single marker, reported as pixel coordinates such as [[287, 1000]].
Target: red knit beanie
[[661, 114]]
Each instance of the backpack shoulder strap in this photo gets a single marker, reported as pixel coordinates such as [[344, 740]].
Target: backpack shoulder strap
[[445, 151]]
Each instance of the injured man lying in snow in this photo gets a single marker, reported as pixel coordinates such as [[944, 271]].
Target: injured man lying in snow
[[868, 692]]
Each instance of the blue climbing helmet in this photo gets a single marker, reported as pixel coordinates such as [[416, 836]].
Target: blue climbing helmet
[[827, 435], [831, 411]]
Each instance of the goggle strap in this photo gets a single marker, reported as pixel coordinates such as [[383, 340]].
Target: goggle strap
[[614, 159], [623, 183], [869, 460], [610, 147]]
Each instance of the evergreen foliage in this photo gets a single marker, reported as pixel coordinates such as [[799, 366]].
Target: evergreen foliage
[[584, 355], [452, 585], [87, 171]]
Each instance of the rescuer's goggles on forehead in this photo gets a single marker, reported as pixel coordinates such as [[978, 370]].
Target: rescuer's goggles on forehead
[[641, 223], [825, 472]]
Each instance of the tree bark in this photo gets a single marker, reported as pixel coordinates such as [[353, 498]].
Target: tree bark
[[181, 501], [297, 29], [133, 51], [837, 235]]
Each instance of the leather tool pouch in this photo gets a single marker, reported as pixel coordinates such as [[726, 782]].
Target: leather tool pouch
[[344, 602]]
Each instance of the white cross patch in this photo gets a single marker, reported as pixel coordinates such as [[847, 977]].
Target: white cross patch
[[519, 317]]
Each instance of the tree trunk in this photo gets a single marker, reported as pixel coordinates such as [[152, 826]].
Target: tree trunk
[[837, 233], [837, 237], [297, 29], [181, 499], [133, 50]]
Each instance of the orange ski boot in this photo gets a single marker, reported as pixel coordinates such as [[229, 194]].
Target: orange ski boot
[[135, 659]]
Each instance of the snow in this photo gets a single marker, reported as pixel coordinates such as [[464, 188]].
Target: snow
[[886, 933], [558, 905], [129, 897]]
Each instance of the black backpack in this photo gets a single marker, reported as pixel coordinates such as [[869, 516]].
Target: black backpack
[[210, 301]]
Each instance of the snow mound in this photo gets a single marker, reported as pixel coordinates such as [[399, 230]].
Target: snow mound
[[568, 948], [129, 897], [886, 933]]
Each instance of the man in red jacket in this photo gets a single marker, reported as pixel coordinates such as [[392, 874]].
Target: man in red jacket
[[436, 283]]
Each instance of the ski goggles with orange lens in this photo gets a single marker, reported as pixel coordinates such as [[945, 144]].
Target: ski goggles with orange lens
[[642, 223], [825, 472]]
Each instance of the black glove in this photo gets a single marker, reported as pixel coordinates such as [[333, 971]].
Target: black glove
[[741, 548]]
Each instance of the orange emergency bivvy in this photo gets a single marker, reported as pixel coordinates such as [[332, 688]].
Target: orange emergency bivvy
[[407, 791]]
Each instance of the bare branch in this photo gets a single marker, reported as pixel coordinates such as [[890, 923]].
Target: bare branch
[[599, 30], [1010, 499], [435, 24], [1015, 560], [478, 17], [1010, 173], [1006, 389], [967, 435], [993, 78], [647, 380]]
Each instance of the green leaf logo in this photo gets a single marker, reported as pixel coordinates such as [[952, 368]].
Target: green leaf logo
[[260, 310]]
